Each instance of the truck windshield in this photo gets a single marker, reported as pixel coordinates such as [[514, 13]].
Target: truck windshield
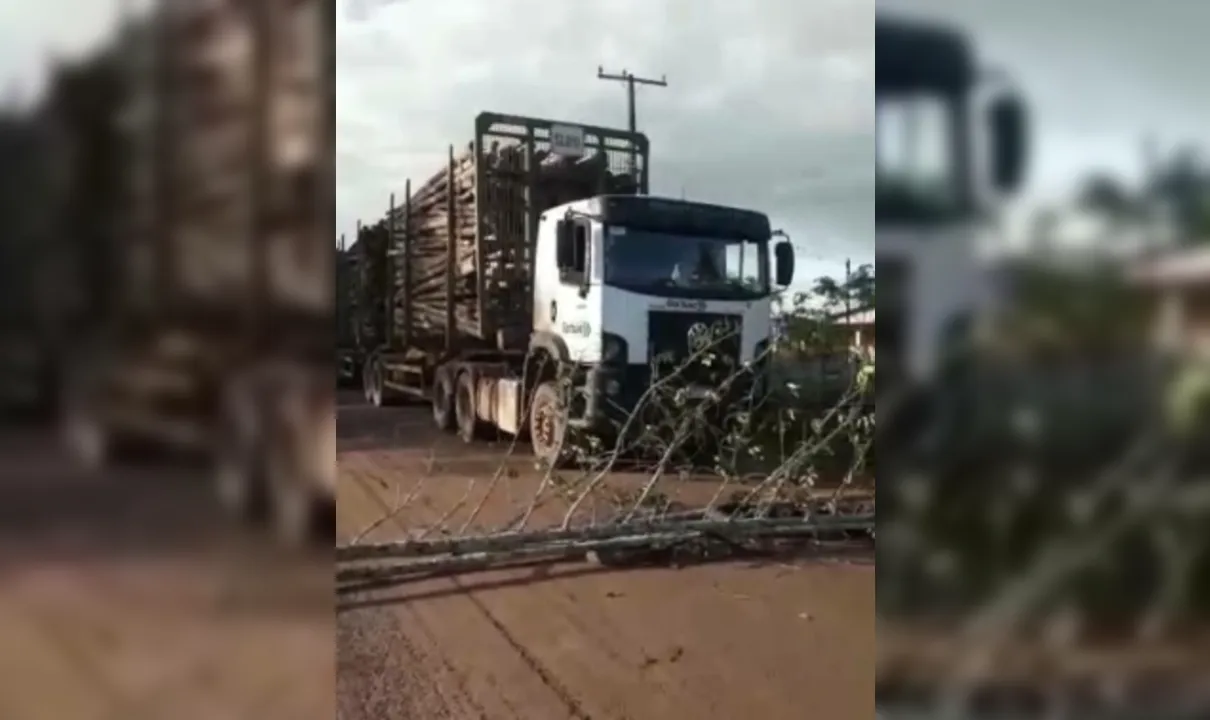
[[919, 175], [701, 267]]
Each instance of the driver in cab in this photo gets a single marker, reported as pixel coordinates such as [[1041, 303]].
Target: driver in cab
[[705, 271]]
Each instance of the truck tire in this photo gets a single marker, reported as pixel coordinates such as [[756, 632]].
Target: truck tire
[[239, 461], [443, 400], [90, 440], [87, 439], [465, 409], [369, 376], [377, 393], [263, 463], [547, 424], [295, 509]]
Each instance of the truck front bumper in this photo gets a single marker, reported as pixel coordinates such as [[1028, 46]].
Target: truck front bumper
[[609, 396]]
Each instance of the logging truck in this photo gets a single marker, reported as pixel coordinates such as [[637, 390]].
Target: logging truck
[[938, 113], [532, 285], [200, 148]]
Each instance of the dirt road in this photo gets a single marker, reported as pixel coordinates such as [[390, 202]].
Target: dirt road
[[773, 640], [125, 595]]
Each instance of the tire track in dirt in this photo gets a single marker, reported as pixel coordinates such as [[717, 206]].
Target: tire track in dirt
[[710, 643], [381, 670], [690, 639], [575, 711], [128, 594], [377, 675]]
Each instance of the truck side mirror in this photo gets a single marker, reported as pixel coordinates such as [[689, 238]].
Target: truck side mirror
[[1009, 125], [783, 253], [565, 246]]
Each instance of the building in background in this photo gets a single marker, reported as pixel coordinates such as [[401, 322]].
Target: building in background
[[857, 327], [1178, 285]]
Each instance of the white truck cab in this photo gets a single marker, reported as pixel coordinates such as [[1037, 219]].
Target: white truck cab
[[951, 148], [630, 286], [561, 273]]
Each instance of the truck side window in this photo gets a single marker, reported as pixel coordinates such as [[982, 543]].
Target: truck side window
[[575, 274], [581, 242]]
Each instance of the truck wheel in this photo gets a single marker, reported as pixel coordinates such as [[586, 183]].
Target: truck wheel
[[278, 443], [239, 473], [86, 439], [295, 509], [368, 379], [357, 370], [91, 441], [547, 423], [443, 401], [465, 410], [377, 393]]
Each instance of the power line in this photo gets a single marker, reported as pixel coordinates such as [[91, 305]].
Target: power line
[[631, 81]]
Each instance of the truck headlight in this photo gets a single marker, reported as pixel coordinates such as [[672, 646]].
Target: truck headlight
[[760, 352], [759, 368], [613, 348]]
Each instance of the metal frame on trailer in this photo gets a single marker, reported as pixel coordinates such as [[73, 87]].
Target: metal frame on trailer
[[493, 133]]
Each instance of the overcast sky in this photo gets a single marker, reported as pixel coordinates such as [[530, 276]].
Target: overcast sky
[[769, 104], [1100, 75], [31, 31]]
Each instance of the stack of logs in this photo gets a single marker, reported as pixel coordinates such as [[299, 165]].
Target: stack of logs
[[79, 155], [346, 294], [495, 243], [360, 281], [217, 69]]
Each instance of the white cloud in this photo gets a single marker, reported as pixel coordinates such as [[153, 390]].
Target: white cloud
[[32, 33], [769, 103]]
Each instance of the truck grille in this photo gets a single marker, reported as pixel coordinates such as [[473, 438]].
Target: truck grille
[[676, 337]]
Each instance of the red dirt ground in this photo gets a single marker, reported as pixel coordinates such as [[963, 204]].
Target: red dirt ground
[[771, 641], [125, 595]]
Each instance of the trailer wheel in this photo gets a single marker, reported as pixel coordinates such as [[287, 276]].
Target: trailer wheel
[[443, 400], [547, 423], [466, 414]]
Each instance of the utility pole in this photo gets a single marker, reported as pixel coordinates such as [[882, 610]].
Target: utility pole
[[1155, 215], [631, 80], [848, 289]]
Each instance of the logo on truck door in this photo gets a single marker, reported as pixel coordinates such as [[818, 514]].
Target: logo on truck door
[[680, 304], [577, 328]]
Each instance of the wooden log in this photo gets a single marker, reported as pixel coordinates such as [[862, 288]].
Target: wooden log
[[487, 233]]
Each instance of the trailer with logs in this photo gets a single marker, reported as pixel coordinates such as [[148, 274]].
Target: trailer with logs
[[208, 308], [351, 305], [529, 285]]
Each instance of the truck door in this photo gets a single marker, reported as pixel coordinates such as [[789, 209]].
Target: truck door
[[570, 309]]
